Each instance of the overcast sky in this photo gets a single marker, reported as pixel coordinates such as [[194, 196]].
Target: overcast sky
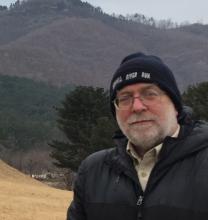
[[177, 10]]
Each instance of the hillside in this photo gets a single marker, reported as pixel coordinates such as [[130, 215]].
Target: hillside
[[23, 198], [70, 42], [61, 55], [27, 112]]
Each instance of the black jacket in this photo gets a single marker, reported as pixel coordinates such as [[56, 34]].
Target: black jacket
[[107, 186]]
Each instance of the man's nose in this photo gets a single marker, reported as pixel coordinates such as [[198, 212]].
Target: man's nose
[[137, 105]]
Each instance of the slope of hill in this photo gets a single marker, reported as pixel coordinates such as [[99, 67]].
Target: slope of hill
[[70, 42], [62, 54], [23, 198], [27, 112]]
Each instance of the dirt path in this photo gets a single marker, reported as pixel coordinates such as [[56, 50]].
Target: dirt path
[[22, 198]]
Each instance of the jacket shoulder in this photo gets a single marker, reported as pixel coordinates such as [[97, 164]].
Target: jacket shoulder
[[201, 129], [98, 158]]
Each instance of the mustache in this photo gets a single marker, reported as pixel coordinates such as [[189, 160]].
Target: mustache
[[140, 117]]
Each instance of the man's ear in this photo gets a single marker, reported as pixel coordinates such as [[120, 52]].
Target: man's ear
[[176, 112]]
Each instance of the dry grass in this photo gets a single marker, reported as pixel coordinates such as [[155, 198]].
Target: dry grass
[[22, 198]]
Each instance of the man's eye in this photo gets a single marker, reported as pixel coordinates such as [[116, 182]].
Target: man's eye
[[150, 93], [124, 99]]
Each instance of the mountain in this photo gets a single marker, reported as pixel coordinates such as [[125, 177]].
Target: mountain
[[71, 42]]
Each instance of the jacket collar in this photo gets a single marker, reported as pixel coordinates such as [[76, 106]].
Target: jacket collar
[[192, 138]]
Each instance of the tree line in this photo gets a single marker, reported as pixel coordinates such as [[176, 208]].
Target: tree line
[[87, 9], [27, 113]]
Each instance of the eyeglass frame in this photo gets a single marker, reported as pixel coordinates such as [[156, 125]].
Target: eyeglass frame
[[140, 97]]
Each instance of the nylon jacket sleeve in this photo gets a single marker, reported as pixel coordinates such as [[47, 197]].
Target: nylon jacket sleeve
[[76, 209]]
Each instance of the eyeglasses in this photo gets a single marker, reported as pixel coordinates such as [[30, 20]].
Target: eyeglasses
[[148, 97]]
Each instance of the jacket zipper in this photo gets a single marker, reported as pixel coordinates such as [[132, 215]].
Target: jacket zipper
[[139, 204], [140, 200]]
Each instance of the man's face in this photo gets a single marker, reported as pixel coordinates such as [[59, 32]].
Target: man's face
[[146, 122]]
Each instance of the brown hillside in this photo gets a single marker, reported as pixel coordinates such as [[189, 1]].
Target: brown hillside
[[22, 198], [70, 50]]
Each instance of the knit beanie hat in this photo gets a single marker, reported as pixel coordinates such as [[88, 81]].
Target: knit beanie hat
[[138, 67]]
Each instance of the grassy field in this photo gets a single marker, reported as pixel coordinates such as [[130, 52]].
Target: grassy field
[[23, 198]]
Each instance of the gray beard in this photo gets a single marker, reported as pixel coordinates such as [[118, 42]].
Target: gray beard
[[145, 142], [146, 137]]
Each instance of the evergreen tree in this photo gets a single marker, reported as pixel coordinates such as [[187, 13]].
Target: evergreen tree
[[196, 96], [86, 121]]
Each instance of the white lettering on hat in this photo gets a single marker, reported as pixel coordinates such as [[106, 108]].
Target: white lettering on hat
[[145, 75], [117, 80], [131, 75]]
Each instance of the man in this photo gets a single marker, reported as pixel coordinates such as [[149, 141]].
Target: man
[[159, 169]]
